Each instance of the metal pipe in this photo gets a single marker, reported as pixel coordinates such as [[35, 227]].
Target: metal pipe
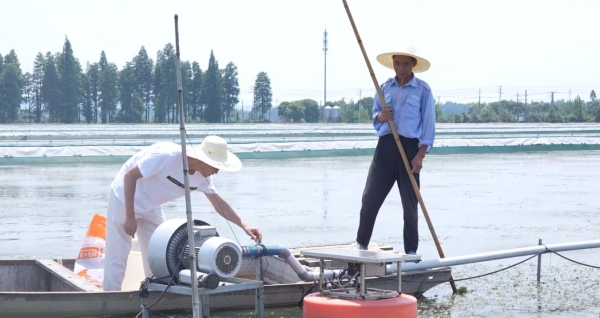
[[539, 268], [284, 253], [490, 256], [259, 305]]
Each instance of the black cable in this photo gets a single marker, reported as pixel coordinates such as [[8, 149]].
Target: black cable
[[467, 278], [143, 290], [574, 261], [308, 292], [500, 270]]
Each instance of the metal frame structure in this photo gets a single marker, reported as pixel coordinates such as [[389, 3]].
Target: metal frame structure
[[363, 259], [227, 285]]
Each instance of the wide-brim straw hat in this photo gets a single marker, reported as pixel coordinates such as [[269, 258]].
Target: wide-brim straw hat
[[213, 151], [386, 59]]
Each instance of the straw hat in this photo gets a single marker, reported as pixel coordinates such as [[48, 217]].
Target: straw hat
[[386, 59], [213, 151]]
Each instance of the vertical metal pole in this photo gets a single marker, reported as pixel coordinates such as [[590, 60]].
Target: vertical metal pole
[[259, 306], [539, 269], [205, 305], [398, 271], [188, 204], [321, 274], [145, 310], [363, 286]]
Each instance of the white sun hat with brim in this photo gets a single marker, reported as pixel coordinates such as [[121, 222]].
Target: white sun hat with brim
[[213, 151], [386, 59]]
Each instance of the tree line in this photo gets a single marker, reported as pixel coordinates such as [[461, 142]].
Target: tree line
[[508, 111], [60, 90], [559, 111]]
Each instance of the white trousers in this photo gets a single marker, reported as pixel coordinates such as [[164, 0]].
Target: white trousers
[[118, 243]]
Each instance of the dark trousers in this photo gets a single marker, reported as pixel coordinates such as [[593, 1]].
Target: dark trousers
[[386, 168]]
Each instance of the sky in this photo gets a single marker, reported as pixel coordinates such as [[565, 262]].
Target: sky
[[538, 46]]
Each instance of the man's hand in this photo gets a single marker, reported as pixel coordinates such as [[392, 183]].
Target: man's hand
[[130, 226], [417, 163], [385, 115], [253, 232]]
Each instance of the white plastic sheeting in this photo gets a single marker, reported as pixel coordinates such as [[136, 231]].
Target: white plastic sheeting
[[267, 150]]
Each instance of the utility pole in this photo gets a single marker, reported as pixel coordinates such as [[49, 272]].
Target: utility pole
[[525, 98], [242, 111], [552, 98], [479, 102], [500, 98], [325, 49]]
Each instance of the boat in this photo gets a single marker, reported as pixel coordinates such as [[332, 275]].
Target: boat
[[49, 288]]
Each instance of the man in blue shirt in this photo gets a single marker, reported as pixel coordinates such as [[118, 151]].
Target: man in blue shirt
[[411, 107]]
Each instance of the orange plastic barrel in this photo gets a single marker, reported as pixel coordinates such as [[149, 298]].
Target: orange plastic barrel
[[317, 306]]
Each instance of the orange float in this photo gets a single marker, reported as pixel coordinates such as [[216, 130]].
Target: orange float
[[317, 306]]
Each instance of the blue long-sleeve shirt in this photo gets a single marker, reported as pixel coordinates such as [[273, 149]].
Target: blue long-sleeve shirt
[[413, 110]]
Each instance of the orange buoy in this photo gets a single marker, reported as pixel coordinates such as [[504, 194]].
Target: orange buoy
[[317, 306]]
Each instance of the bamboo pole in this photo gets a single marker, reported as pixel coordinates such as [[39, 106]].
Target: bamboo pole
[[398, 143], [188, 205]]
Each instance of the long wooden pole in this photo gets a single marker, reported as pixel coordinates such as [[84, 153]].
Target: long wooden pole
[[398, 143]]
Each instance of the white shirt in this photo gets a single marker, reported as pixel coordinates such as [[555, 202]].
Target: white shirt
[[161, 165]]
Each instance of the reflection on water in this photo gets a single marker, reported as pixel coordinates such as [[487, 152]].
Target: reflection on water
[[477, 203]]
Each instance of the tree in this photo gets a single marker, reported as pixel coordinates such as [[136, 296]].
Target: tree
[[11, 87], [28, 95], [159, 105], [87, 103], [50, 90], [132, 105], [283, 109], [186, 85], [578, 108], [169, 70], [93, 75], [195, 102], [231, 89], [312, 111], [103, 61], [144, 67], [165, 85], [593, 96], [108, 86], [295, 111], [263, 96], [36, 82], [211, 91], [69, 71]]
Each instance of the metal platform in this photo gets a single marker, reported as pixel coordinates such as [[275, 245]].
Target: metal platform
[[362, 258]]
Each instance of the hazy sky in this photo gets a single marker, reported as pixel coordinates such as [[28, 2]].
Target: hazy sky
[[541, 46]]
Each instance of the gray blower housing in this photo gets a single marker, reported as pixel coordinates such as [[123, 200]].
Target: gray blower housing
[[168, 254]]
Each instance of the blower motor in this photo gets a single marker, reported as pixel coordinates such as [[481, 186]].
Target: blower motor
[[168, 254]]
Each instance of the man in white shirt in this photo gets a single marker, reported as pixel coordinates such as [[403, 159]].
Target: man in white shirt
[[151, 178]]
